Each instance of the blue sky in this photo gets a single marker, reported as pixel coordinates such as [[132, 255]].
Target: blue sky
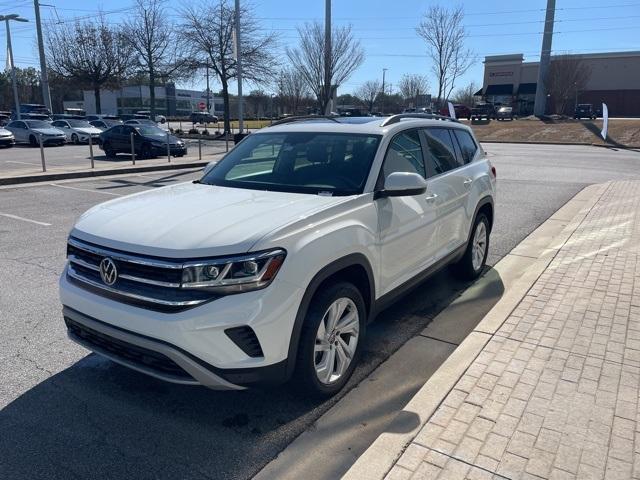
[[386, 29]]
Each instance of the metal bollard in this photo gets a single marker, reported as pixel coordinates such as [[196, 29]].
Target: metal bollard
[[133, 150], [168, 149], [199, 149], [91, 151], [44, 167]]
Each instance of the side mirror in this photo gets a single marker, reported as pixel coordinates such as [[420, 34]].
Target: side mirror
[[402, 184]]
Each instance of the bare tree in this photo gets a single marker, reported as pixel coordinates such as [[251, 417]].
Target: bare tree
[[347, 55], [465, 95], [207, 32], [151, 36], [567, 75], [90, 52], [292, 90], [368, 92], [444, 34], [412, 85]]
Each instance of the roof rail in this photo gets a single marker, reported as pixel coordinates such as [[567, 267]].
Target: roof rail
[[425, 116], [304, 118]]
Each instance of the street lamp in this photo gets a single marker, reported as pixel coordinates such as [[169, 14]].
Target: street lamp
[[17, 18]]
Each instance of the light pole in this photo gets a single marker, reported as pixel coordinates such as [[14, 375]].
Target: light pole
[[17, 18], [384, 74], [46, 94]]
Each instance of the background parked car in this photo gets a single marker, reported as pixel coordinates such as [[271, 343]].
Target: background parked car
[[483, 111], [504, 113], [462, 111], [149, 141], [584, 110], [105, 123], [78, 131], [102, 117], [203, 117], [141, 121], [30, 131], [7, 139]]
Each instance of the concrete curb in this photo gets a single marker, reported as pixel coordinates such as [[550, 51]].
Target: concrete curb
[[48, 177], [380, 457], [584, 144]]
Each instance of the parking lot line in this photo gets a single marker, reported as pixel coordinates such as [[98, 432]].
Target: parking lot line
[[16, 217], [21, 163], [85, 189]]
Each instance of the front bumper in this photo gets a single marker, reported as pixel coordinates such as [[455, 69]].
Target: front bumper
[[175, 151], [6, 141], [195, 340], [54, 140]]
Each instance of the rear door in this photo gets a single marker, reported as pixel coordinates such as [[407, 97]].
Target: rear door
[[449, 183], [407, 227]]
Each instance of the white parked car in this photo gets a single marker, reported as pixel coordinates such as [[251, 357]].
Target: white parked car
[[271, 265], [29, 131], [78, 131], [6, 138]]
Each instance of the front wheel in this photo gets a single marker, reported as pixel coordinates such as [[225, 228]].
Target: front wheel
[[473, 261], [75, 139], [330, 341]]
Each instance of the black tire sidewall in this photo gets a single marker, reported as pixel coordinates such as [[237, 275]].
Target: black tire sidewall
[[464, 268], [305, 377]]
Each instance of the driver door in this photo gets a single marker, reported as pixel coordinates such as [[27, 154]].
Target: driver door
[[406, 225]]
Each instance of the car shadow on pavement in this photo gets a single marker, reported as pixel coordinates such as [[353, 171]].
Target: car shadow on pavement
[[97, 419]]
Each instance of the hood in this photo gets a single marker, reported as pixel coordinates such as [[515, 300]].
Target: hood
[[4, 132], [48, 131], [194, 220], [162, 138], [88, 130]]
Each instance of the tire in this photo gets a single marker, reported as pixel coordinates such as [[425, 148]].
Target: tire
[[145, 151], [75, 139], [32, 141], [309, 363], [469, 267], [108, 151]]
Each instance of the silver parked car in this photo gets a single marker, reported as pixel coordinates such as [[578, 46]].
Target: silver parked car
[[30, 131], [78, 131], [6, 138]]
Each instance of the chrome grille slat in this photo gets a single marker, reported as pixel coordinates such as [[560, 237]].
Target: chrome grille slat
[[149, 282]]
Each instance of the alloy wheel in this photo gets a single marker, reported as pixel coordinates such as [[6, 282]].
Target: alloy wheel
[[336, 340], [479, 247]]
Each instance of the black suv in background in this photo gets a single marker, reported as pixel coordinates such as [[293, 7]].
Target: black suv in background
[[149, 141], [203, 117], [585, 110]]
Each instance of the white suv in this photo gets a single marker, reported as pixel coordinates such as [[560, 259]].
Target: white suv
[[271, 265]]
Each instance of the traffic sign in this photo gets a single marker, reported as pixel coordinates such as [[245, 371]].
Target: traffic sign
[[202, 106]]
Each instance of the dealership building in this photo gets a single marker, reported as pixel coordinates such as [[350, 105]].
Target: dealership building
[[170, 101], [614, 79]]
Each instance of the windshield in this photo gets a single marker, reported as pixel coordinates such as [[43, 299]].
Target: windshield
[[79, 123], [37, 124], [329, 163], [149, 130]]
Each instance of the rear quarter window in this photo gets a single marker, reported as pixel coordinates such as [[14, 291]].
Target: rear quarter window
[[467, 145]]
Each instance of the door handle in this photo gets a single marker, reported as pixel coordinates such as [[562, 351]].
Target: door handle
[[468, 182], [431, 198]]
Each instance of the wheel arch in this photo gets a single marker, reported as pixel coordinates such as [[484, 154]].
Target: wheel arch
[[354, 268]]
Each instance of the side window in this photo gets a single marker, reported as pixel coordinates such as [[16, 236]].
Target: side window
[[119, 130], [467, 145], [404, 154], [442, 156]]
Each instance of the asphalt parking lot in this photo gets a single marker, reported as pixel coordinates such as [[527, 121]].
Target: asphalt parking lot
[[66, 414], [25, 160]]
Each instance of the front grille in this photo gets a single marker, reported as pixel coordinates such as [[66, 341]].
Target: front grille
[[133, 354], [148, 282]]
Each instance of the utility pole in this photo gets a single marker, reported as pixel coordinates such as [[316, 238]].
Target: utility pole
[[44, 77], [327, 56], [545, 59], [17, 18], [384, 74], [207, 75], [239, 69]]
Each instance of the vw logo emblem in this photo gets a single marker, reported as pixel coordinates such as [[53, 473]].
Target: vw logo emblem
[[108, 271]]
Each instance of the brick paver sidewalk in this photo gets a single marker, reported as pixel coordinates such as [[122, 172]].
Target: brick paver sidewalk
[[554, 394]]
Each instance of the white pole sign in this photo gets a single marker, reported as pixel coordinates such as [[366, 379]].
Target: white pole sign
[[452, 111], [605, 121]]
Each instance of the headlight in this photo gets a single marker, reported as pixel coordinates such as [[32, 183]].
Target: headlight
[[234, 274]]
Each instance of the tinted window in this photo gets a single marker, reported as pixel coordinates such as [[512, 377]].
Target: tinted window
[[467, 145], [16, 125], [442, 156], [404, 154], [79, 123], [37, 124], [299, 162]]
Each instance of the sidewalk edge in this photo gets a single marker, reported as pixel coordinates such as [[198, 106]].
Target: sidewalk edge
[[48, 177], [382, 454]]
